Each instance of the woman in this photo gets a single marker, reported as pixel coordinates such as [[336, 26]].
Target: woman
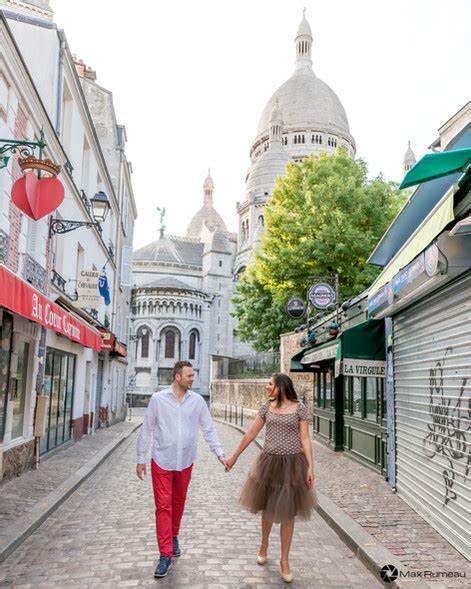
[[281, 481]]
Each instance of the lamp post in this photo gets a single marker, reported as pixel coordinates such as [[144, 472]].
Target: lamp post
[[100, 207], [132, 379]]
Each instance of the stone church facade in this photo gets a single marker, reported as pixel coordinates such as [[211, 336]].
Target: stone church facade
[[183, 285]]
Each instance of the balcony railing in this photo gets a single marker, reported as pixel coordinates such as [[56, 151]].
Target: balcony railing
[[111, 251], [58, 281], [93, 313], [4, 244], [34, 273]]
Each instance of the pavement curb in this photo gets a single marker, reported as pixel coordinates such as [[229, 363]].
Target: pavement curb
[[365, 546], [30, 521]]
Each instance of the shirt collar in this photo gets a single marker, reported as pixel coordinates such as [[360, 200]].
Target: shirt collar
[[169, 391]]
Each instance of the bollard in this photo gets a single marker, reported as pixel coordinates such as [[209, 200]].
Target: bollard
[[236, 414], [241, 417], [225, 412], [230, 413]]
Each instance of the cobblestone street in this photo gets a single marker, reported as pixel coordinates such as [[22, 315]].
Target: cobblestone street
[[104, 536]]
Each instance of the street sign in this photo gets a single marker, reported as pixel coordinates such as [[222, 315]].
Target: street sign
[[295, 308], [321, 295]]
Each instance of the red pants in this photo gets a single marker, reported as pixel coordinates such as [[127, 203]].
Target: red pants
[[170, 487]]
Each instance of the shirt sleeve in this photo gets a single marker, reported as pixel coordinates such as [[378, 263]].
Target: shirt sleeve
[[148, 425], [262, 412], [209, 432], [303, 412]]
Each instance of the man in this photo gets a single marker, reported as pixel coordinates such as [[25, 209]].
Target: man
[[174, 416]]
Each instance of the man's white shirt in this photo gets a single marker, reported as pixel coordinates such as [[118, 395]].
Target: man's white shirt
[[174, 427]]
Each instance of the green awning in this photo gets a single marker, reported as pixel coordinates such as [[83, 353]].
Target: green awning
[[363, 351], [436, 165], [302, 360]]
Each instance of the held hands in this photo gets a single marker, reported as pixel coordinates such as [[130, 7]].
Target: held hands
[[141, 471], [230, 463]]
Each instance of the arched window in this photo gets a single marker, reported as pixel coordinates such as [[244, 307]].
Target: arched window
[[192, 346], [170, 344], [144, 335]]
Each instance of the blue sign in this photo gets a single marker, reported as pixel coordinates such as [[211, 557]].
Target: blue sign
[[104, 288]]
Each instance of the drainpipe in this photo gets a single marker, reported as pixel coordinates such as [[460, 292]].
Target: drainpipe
[[60, 87]]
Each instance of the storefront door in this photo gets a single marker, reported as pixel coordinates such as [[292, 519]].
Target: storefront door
[[59, 387], [6, 329]]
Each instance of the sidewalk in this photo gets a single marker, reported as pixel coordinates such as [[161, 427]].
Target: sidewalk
[[358, 503], [29, 499]]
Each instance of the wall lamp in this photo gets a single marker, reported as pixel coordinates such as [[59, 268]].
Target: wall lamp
[[100, 207]]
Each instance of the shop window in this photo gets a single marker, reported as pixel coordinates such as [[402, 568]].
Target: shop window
[[6, 330], [384, 410], [372, 390], [329, 390], [18, 393], [347, 394], [59, 384], [357, 397]]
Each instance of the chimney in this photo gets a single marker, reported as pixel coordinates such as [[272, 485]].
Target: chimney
[[79, 66], [90, 74]]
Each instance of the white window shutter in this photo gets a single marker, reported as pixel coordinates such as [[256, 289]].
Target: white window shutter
[[126, 266]]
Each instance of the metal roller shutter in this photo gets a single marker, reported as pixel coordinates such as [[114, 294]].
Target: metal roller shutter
[[432, 373]]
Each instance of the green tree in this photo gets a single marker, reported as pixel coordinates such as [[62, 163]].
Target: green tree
[[261, 319], [324, 216]]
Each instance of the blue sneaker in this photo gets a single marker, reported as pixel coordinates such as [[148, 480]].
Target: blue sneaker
[[165, 564], [176, 547]]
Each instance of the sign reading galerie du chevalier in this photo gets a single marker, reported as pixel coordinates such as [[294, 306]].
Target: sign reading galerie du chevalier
[[87, 290]]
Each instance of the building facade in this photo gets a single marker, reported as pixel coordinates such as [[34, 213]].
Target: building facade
[[181, 301], [58, 346]]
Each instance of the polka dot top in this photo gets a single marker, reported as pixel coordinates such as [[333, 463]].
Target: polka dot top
[[282, 430]]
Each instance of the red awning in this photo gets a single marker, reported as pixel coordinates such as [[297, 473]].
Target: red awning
[[21, 298], [120, 349]]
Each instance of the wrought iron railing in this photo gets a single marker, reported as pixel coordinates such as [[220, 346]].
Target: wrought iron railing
[[58, 281], [111, 251], [4, 246], [93, 313], [34, 273]]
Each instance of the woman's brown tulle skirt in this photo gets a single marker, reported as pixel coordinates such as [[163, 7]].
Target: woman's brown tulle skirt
[[277, 485]]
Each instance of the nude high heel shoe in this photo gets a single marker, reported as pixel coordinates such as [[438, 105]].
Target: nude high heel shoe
[[262, 559], [287, 577]]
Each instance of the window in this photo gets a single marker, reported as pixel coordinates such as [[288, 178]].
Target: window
[[170, 344], [126, 265], [144, 336], [220, 263], [357, 397], [329, 389], [372, 390], [165, 376], [18, 394], [347, 394], [86, 166], [192, 346]]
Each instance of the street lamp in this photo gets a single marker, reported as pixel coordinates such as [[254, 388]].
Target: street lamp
[[100, 207]]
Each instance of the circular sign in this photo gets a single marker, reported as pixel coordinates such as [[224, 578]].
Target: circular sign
[[321, 295], [295, 308]]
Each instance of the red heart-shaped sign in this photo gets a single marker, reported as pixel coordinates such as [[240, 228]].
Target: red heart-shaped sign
[[37, 198]]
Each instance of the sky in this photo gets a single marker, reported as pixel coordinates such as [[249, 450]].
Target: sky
[[190, 80]]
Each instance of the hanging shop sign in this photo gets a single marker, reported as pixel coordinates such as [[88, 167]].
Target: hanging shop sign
[[37, 197], [295, 308], [87, 290], [21, 298], [120, 349], [107, 341], [322, 353], [321, 295]]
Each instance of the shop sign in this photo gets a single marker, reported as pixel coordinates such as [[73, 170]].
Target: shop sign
[[107, 341], [21, 298], [408, 275], [87, 290], [321, 295], [319, 355], [295, 308], [120, 349], [364, 368]]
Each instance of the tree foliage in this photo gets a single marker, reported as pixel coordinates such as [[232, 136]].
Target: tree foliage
[[324, 216]]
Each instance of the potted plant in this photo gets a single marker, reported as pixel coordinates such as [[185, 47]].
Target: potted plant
[[333, 328]]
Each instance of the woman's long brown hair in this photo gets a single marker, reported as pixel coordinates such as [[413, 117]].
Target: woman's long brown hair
[[284, 388]]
